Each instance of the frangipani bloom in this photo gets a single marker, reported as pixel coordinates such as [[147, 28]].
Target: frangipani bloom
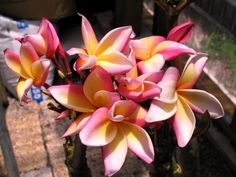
[[106, 53], [181, 33], [153, 51], [178, 99], [139, 88], [45, 41], [97, 91], [31, 69], [113, 129]]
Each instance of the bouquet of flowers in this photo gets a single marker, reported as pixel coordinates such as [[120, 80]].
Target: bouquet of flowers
[[119, 87]]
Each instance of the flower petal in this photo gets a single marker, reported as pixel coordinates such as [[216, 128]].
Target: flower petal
[[114, 154], [154, 77], [150, 90], [39, 70], [131, 94], [114, 40], [53, 40], [50, 37], [22, 89], [43, 28], [72, 97], [171, 49], [181, 33], [137, 117], [192, 71], [63, 114], [133, 73], [115, 63], [28, 56], [89, 37], [159, 111], [73, 51], [85, 62], [139, 141], [183, 123], [122, 108], [77, 124], [37, 42], [130, 88], [97, 80], [13, 62], [153, 64], [201, 101], [168, 85], [105, 98], [99, 130], [143, 48]]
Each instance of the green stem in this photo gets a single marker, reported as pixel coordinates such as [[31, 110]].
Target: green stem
[[60, 70], [76, 158], [62, 55], [164, 144]]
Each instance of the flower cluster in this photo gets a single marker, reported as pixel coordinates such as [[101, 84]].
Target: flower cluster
[[120, 75]]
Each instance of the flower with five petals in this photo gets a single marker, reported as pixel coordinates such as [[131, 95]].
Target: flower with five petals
[[139, 88], [153, 51], [115, 131], [178, 99], [106, 53], [31, 69], [97, 91]]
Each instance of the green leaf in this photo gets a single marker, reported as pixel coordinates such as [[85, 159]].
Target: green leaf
[[176, 169], [203, 124]]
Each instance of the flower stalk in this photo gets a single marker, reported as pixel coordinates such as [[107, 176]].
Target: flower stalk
[[76, 160]]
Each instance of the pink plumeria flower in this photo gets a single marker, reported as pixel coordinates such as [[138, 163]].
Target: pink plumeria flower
[[139, 88], [106, 53], [31, 69], [181, 33], [114, 130], [97, 91], [153, 51], [178, 99], [45, 41]]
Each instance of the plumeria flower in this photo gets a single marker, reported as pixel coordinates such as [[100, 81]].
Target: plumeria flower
[[178, 99], [139, 88], [181, 33], [153, 51], [97, 91], [31, 69], [113, 129], [106, 53], [45, 41]]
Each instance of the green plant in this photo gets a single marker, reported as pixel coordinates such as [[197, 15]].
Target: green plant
[[221, 47]]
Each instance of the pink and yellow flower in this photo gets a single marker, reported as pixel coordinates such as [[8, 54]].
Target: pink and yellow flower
[[31, 69], [114, 130], [97, 91], [45, 41], [106, 53], [139, 88], [153, 51], [178, 99]]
